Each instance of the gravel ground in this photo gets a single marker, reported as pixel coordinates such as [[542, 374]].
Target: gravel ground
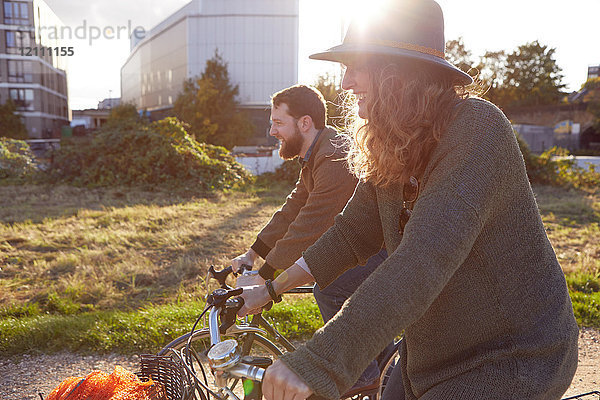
[[25, 376]]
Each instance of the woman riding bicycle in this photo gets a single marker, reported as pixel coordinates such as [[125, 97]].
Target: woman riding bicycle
[[471, 276]]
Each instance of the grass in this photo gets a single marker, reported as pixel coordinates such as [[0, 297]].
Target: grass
[[122, 269], [136, 332], [107, 249], [572, 221]]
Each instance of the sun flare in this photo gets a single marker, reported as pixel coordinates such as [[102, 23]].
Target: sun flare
[[361, 11]]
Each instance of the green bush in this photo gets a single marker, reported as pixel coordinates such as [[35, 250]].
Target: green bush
[[161, 153], [16, 159], [288, 172], [554, 167]]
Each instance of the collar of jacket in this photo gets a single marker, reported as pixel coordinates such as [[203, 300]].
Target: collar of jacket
[[308, 159]]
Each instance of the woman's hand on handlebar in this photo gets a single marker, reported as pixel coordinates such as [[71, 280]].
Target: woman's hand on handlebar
[[255, 298], [281, 383]]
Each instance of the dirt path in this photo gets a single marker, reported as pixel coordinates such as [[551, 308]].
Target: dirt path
[[22, 378], [587, 377]]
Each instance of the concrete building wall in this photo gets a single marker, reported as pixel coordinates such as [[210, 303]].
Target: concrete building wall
[[34, 79], [154, 73], [551, 115], [257, 38], [539, 138]]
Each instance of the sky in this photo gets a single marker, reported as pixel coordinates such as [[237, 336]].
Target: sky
[[570, 27]]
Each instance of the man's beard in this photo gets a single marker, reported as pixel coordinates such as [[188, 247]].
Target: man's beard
[[290, 148]]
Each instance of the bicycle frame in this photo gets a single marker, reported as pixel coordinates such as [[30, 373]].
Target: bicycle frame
[[259, 320]]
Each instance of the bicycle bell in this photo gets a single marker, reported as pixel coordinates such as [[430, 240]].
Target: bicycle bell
[[224, 354]]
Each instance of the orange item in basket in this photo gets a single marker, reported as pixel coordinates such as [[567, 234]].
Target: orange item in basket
[[120, 385]]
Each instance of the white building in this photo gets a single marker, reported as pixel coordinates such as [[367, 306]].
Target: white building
[[256, 159], [593, 71], [257, 38]]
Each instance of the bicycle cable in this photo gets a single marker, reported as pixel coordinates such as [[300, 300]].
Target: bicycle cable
[[197, 382], [188, 352]]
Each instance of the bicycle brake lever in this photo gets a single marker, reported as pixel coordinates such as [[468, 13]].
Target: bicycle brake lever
[[228, 317], [220, 276]]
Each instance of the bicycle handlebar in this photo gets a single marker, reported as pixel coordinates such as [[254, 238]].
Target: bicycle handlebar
[[221, 276], [226, 357]]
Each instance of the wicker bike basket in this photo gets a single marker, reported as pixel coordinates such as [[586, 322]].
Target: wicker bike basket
[[168, 372]]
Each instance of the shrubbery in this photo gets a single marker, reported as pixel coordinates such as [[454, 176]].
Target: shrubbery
[[17, 162], [554, 167], [288, 173], [146, 154]]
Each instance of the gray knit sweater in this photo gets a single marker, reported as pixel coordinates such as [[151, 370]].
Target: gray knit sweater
[[474, 282]]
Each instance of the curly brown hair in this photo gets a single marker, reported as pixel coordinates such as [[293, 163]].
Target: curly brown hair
[[409, 107]]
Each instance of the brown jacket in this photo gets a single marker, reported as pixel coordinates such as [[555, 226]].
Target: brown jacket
[[324, 187]]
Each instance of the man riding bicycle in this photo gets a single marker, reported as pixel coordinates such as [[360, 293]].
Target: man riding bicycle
[[298, 116]]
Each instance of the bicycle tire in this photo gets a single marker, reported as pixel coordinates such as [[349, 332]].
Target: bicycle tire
[[252, 343], [389, 362]]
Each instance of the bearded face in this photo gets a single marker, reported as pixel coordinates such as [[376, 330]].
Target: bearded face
[[291, 146], [285, 128]]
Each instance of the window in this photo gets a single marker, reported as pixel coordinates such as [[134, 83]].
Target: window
[[23, 98], [17, 39], [16, 13], [20, 71]]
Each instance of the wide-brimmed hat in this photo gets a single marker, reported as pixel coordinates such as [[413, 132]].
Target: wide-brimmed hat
[[405, 28]]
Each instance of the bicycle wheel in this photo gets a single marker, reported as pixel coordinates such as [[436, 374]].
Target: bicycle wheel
[[389, 362], [250, 343]]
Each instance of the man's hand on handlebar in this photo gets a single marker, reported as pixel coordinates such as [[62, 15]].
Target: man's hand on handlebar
[[248, 258]]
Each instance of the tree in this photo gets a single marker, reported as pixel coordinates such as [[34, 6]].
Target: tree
[[492, 76], [458, 55], [208, 104], [11, 122], [532, 76], [334, 97], [124, 116]]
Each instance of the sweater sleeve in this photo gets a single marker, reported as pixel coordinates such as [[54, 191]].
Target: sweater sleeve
[[463, 190], [281, 220], [333, 186], [353, 238]]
